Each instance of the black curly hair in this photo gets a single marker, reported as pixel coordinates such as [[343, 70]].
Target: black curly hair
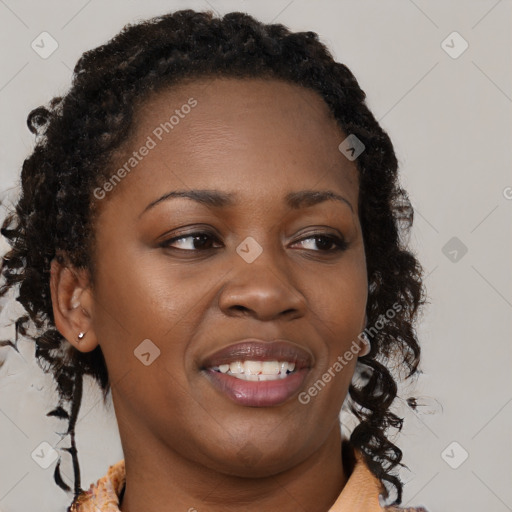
[[77, 134]]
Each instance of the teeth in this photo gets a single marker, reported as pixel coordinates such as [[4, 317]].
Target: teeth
[[270, 367], [235, 368], [252, 367], [257, 370], [263, 377]]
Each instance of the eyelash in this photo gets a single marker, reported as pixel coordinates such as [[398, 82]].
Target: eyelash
[[339, 243]]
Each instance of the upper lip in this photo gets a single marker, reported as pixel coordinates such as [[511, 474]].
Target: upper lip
[[260, 350]]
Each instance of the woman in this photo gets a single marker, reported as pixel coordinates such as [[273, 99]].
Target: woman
[[209, 227]]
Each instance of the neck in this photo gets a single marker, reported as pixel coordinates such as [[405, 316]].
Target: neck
[[159, 479]]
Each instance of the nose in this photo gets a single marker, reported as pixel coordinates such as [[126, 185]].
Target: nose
[[262, 290]]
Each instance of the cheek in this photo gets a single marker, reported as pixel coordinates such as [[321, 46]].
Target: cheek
[[338, 301], [141, 299], [337, 297]]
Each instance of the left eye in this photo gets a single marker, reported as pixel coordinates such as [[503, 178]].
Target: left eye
[[324, 243]]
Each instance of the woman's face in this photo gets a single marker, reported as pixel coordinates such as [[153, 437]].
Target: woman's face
[[250, 249]]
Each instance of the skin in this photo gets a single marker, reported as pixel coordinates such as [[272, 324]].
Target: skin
[[186, 445]]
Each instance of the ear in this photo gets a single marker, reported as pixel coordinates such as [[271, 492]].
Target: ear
[[73, 304]]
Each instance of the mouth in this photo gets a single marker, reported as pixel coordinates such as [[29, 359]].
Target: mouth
[[258, 373]]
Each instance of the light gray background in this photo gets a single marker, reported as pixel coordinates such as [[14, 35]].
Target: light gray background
[[449, 119]]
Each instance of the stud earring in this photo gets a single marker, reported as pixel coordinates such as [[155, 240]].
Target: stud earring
[[367, 345], [80, 336]]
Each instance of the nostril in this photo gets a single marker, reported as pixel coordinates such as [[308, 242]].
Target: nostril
[[240, 308]]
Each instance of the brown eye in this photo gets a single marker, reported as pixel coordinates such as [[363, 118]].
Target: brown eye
[[191, 242], [323, 243]]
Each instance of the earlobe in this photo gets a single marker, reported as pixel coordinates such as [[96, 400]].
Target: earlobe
[[72, 304]]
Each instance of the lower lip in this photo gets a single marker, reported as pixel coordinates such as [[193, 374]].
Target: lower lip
[[258, 394]]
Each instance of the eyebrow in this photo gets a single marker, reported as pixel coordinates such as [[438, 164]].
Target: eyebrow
[[218, 199]]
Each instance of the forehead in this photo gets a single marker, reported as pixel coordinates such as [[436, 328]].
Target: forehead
[[229, 98], [234, 133]]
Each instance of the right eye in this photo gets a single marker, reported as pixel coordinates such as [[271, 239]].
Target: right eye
[[197, 241]]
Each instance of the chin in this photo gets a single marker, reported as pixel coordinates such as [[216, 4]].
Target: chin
[[257, 460]]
